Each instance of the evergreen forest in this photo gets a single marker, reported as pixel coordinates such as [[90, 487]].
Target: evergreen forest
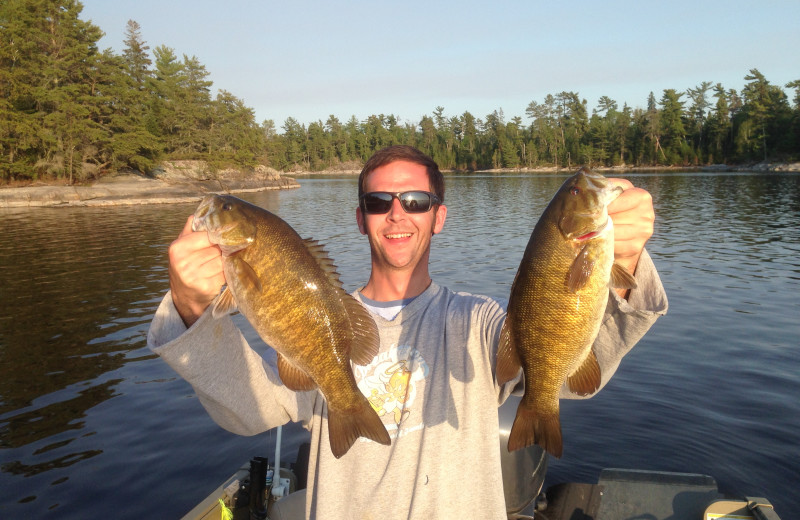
[[73, 112]]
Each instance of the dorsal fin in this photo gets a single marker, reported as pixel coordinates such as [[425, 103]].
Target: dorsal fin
[[319, 253], [366, 342]]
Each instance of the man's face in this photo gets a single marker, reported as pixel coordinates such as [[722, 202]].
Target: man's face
[[400, 240]]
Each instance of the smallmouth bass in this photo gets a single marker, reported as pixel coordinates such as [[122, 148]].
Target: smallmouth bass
[[289, 291], [556, 306]]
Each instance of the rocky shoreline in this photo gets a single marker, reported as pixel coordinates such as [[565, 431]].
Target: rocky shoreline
[[175, 182], [189, 181]]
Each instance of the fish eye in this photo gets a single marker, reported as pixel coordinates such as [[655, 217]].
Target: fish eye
[[575, 190], [227, 206]]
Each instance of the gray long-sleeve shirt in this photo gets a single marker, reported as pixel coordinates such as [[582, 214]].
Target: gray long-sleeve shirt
[[432, 383]]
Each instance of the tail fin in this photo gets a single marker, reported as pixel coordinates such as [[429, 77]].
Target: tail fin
[[530, 428], [345, 428]]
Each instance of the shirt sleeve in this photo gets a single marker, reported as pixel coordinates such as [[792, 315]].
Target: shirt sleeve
[[240, 391]]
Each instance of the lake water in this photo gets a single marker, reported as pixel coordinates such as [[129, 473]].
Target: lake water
[[92, 425]]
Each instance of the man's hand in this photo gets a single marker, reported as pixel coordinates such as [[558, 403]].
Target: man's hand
[[633, 216], [195, 273]]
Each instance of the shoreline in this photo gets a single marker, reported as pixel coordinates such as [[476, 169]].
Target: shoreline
[[757, 167], [126, 188]]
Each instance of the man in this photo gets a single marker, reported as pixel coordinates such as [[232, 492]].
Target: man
[[432, 381]]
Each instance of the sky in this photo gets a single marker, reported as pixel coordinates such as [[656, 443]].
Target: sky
[[312, 59]]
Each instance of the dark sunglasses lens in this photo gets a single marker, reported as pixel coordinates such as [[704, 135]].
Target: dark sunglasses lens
[[415, 201], [377, 203]]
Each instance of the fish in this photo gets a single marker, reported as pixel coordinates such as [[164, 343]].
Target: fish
[[288, 289], [556, 306]]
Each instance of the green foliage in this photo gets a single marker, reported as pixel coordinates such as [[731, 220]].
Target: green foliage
[[70, 111]]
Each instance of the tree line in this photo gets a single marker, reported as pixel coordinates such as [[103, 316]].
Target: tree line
[[71, 111]]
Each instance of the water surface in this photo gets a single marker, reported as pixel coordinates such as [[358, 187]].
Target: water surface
[[86, 410]]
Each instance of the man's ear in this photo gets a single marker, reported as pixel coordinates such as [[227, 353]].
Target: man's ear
[[362, 226], [441, 215]]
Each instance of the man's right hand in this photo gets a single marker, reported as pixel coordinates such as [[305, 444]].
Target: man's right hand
[[195, 273]]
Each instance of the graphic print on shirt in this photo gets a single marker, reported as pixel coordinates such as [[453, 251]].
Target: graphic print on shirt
[[391, 383]]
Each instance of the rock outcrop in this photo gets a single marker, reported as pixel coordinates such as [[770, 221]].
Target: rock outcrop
[[173, 181]]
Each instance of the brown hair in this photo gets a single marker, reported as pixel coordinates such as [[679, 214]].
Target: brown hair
[[403, 152]]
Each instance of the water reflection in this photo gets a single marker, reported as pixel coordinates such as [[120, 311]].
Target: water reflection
[[79, 288]]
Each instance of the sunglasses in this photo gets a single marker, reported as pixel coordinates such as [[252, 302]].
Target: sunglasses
[[380, 202]]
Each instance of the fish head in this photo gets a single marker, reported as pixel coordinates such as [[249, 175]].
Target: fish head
[[582, 205], [227, 221]]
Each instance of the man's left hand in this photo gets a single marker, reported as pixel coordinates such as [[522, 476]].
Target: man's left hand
[[633, 216]]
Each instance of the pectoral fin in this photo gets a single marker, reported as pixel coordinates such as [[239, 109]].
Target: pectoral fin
[[223, 304], [580, 271], [621, 278], [246, 274], [585, 380], [293, 377]]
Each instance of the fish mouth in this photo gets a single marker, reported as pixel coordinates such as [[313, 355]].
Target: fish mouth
[[588, 236], [199, 223], [200, 215], [215, 231]]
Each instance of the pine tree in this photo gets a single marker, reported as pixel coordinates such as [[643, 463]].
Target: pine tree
[[165, 84], [697, 116], [672, 128], [719, 127], [765, 118], [135, 56], [133, 143]]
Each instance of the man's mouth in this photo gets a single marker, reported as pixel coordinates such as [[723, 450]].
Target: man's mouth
[[397, 235]]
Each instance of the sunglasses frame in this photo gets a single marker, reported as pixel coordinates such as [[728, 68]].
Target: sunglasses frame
[[433, 200]]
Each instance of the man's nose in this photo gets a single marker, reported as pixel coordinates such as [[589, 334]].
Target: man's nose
[[397, 212]]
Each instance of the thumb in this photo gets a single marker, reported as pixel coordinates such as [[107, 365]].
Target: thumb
[[625, 184], [187, 228]]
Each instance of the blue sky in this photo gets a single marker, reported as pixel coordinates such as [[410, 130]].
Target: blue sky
[[311, 59]]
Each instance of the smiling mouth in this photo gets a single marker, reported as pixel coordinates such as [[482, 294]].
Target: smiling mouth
[[398, 235]]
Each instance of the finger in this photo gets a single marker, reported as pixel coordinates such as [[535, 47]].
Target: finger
[[186, 243], [208, 278], [626, 234], [625, 184], [198, 275], [187, 228], [631, 199], [209, 261], [192, 251]]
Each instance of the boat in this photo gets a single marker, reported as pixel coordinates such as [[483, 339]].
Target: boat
[[252, 492]]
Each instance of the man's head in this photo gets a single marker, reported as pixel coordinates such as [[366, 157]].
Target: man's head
[[400, 226], [406, 153]]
